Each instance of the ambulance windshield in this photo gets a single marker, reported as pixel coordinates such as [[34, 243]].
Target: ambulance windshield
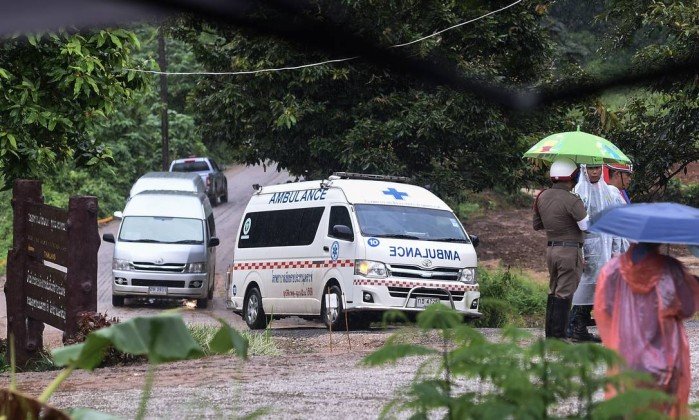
[[409, 223]]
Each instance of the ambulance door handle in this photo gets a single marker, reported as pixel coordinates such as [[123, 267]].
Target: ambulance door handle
[[326, 249]]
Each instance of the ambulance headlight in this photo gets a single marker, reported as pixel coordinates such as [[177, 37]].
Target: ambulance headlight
[[373, 269], [468, 276], [198, 267], [121, 265]]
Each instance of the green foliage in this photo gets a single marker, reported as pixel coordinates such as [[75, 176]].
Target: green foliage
[[509, 299], [56, 88], [516, 377], [659, 128], [356, 117], [162, 338], [259, 344], [678, 192]]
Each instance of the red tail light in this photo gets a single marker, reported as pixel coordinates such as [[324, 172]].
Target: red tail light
[[208, 181]]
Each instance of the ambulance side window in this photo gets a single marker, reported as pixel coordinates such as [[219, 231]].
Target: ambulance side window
[[339, 216], [294, 227]]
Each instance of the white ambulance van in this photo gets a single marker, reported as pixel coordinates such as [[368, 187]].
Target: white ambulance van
[[373, 242]]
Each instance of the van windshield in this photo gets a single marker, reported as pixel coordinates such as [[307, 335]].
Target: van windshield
[[165, 230], [409, 223], [195, 166]]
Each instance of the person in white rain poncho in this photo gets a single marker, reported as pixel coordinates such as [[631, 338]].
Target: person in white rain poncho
[[598, 248]]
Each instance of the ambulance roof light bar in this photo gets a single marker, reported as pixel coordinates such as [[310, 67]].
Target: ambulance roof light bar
[[369, 177]]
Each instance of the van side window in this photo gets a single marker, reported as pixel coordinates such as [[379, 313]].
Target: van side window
[[294, 227], [339, 216]]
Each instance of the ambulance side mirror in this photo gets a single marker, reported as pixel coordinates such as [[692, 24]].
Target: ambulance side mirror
[[474, 240], [108, 237], [343, 232]]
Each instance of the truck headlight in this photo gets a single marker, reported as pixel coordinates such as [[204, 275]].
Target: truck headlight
[[373, 269], [468, 275], [198, 267], [121, 265]]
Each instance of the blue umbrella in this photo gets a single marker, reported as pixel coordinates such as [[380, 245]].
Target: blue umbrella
[[666, 223]]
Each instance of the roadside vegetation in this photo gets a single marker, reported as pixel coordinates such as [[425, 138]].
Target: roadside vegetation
[[462, 375], [510, 299]]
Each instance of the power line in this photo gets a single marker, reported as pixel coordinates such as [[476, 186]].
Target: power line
[[322, 63]]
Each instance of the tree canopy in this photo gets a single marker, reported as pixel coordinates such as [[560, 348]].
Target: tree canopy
[[55, 89], [355, 117]]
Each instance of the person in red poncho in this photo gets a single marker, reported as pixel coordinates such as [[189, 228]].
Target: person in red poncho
[[641, 300]]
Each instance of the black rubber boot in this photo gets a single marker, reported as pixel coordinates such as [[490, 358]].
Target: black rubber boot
[[571, 319], [549, 312], [560, 309], [580, 322]]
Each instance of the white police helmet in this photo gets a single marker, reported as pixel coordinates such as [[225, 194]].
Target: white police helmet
[[563, 169]]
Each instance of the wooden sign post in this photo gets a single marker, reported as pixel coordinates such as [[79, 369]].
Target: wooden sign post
[[51, 267]]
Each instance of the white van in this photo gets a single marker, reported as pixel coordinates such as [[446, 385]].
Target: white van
[[374, 244], [168, 181], [165, 248]]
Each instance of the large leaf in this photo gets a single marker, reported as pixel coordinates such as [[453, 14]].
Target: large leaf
[[227, 339], [89, 414], [162, 338]]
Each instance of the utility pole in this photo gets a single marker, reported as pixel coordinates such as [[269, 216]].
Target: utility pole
[[162, 62]]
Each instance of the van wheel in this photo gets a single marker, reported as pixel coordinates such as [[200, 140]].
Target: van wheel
[[224, 197], [334, 319], [202, 303], [252, 310], [117, 301]]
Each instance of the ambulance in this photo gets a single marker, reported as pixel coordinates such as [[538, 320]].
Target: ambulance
[[348, 248]]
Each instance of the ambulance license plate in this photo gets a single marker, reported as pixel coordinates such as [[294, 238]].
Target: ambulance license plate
[[421, 302], [157, 290]]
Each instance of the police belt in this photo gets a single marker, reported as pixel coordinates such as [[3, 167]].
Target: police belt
[[564, 243]]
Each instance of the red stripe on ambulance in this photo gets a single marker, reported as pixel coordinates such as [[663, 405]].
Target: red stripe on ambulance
[[411, 284], [291, 264]]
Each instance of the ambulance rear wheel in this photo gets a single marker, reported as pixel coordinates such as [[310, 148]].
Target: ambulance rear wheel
[[252, 310], [334, 318]]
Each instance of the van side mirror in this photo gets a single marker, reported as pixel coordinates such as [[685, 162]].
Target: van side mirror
[[343, 232], [108, 237], [474, 240], [118, 214], [213, 241]]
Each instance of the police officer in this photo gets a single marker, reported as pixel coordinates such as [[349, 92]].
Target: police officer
[[562, 214]]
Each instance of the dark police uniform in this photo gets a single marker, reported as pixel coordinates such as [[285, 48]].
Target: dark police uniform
[[558, 210]]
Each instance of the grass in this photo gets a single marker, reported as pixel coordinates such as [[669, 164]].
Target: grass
[[42, 363], [260, 343], [510, 299]]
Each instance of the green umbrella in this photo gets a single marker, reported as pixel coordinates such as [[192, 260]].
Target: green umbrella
[[580, 147]]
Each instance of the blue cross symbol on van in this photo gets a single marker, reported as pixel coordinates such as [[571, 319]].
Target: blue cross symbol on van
[[398, 195]]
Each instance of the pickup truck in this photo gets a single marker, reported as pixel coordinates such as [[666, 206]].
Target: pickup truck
[[214, 179]]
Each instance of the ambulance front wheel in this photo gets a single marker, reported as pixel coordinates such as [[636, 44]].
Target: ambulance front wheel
[[333, 318], [252, 310]]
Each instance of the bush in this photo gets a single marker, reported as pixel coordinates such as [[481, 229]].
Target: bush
[[466, 376], [91, 321], [496, 314], [507, 298], [678, 192], [259, 344]]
